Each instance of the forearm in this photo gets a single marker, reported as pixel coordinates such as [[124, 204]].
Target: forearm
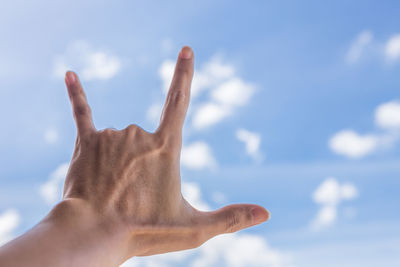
[[66, 237]]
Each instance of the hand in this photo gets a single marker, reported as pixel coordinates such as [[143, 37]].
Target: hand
[[123, 187]]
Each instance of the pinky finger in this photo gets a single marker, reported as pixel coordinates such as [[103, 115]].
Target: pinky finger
[[81, 109]]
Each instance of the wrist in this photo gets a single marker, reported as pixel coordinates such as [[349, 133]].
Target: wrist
[[86, 233]]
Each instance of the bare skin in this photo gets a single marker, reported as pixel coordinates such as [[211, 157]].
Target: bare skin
[[122, 194]]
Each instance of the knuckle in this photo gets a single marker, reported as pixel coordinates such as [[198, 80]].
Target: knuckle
[[178, 96], [184, 70], [83, 140], [75, 91], [82, 110], [108, 132], [132, 129], [232, 222], [168, 152], [159, 140]]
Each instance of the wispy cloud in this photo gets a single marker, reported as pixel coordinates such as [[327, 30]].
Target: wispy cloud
[[223, 92], [208, 114], [365, 45], [358, 46], [192, 193], [51, 189], [153, 113], [219, 197], [197, 155], [237, 250], [212, 73], [252, 141], [165, 72], [353, 145], [226, 91], [233, 250], [392, 48], [9, 221], [224, 99], [51, 135], [329, 195], [91, 63]]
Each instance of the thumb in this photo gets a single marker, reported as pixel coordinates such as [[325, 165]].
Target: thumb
[[233, 218]]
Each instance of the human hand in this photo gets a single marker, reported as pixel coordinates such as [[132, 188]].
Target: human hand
[[127, 182]]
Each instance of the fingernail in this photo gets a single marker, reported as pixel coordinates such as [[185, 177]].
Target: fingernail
[[70, 77], [186, 53], [259, 215]]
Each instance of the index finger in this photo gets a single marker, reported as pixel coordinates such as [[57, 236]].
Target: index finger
[[177, 101]]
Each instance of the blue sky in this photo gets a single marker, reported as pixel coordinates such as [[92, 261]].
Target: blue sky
[[312, 86]]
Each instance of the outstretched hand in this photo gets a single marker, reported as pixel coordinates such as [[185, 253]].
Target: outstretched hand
[[122, 194], [131, 177]]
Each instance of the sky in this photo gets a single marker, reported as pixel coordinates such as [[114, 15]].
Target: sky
[[295, 106]]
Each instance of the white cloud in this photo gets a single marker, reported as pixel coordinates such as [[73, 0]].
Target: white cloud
[[209, 114], [167, 45], [387, 115], [392, 48], [154, 113], [227, 90], [209, 75], [197, 155], [51, 190], [233, 250], [252, 142], [170, 259], [225, 98], [219, 197], [364, 44], [212, 73], [233, 92], [51, 136], [192, 193], [166, 71], [239, 250], [329, 195], [330, 192], [91, 64], [326, 216], [353, 145], [217, 70], [358, 46], [9, 221]]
